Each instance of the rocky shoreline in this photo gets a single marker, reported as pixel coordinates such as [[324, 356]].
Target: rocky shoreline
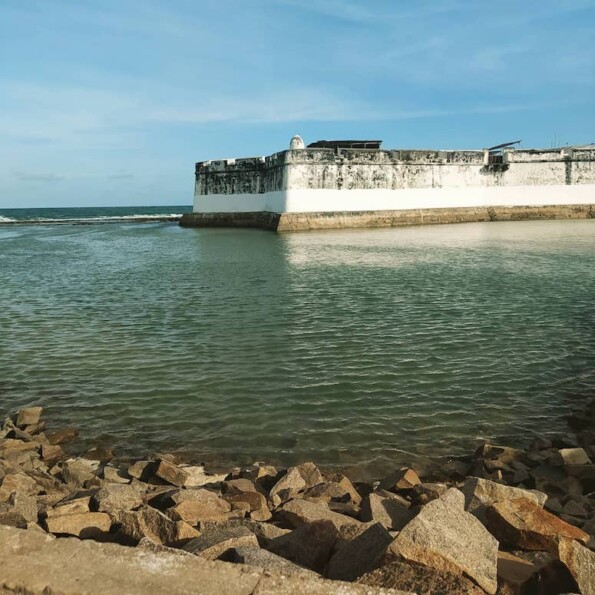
[[505, 520]]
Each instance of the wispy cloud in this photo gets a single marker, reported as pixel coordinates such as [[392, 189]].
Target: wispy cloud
[[38, 177]]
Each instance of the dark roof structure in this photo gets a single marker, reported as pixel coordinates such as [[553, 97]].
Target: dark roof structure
[[345, 144]]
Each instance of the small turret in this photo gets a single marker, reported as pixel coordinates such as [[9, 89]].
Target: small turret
[[297, 143]]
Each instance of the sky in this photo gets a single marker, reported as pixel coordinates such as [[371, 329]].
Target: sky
[[110, 102]]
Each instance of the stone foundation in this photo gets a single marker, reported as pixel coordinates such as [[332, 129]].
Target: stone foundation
[[369, 219]]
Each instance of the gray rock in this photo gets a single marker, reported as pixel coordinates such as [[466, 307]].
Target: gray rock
[[171, 473], [310, 545], [411, 577], [115, 475], [300, 512], [29, 416], [580, 562], [116, 496], [79, 471], [387, 511], [255, 556], [445, 537], [574, 456], [360, 555], [482, 493], [85, 525], [218, 539], [296, 479], [401, 479], [147, 522]]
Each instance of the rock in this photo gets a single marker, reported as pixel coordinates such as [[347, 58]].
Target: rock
[[503, 454], [299, 512], [142, 470], [254, 556], [337, 488], [574, 456], [52, 453], [12, 518], [521, 523], [115, 475], [218, 539], [117, 496], [265, 532], [425, 492], [17, 483], [513, 573], [99, 453], [171, 473], [150, 523], [197, 511], [408, 576], [196, 476], [256, 502], [445, 537], [264, 476], [575, 509], [580, 562], [86, 525], [25, 505], [79, 471], [310, 545], [237, 486], [296, 479], [402, 479], [29, 416], [184, 533], [482, 493], [61, 436], [360, 555], [387, 511], [9, 447], [75, 506]]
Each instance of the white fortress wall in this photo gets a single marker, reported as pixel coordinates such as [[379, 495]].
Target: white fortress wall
[[322, 180]]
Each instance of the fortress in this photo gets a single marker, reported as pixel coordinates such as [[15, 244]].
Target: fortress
[[355, 183]]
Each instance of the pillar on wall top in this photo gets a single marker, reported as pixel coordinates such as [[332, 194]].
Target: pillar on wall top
[[297, 142]]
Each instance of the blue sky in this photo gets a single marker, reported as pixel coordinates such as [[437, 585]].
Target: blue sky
[[110, 102]]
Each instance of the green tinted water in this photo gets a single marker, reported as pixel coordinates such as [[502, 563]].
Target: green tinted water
[[351, 348]]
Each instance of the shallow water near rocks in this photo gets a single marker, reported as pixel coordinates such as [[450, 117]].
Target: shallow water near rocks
[[363, 348]]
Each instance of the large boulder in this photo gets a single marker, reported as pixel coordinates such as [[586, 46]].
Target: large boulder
[[29, 416], [417, 578], [195, 506], [79, 471], [300, 512], [513, 573], [388, 511], [580, 561], [298, 478], [18, 483], [521, 523], [117, 496], [171, 473], [218, 539], [152, 524], [336, 488], [255, 556], [482, 493], [401, 479], [445, 537], [310, 545], [360, 555], [256, 504], [91, 525]]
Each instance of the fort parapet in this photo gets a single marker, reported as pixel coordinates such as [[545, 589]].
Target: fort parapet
[[340, 184]]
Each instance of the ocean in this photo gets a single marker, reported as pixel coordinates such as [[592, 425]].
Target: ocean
[[361, 349]]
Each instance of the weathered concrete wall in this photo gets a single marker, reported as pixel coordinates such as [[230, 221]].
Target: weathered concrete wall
[[388, 218], [322, 180]]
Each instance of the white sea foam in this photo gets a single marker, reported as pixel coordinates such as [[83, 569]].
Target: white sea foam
[[102, 219]]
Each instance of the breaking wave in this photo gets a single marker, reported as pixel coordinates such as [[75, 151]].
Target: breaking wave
[[139, 218]]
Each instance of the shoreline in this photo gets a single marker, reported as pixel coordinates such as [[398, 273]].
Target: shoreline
[[312, 525], [148, 219]]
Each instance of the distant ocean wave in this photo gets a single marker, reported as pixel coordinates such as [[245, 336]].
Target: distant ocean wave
[[97, 219]]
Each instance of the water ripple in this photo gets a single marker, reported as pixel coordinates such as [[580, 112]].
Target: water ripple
[[351, 348]]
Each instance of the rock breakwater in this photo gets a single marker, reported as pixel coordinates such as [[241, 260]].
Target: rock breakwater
[[504, 520]]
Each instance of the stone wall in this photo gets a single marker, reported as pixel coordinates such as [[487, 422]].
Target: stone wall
[[325, 180]]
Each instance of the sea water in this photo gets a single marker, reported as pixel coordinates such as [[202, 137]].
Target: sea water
[[356, 348]]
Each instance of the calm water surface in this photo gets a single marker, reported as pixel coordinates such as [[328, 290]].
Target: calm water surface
[[354, 348]]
